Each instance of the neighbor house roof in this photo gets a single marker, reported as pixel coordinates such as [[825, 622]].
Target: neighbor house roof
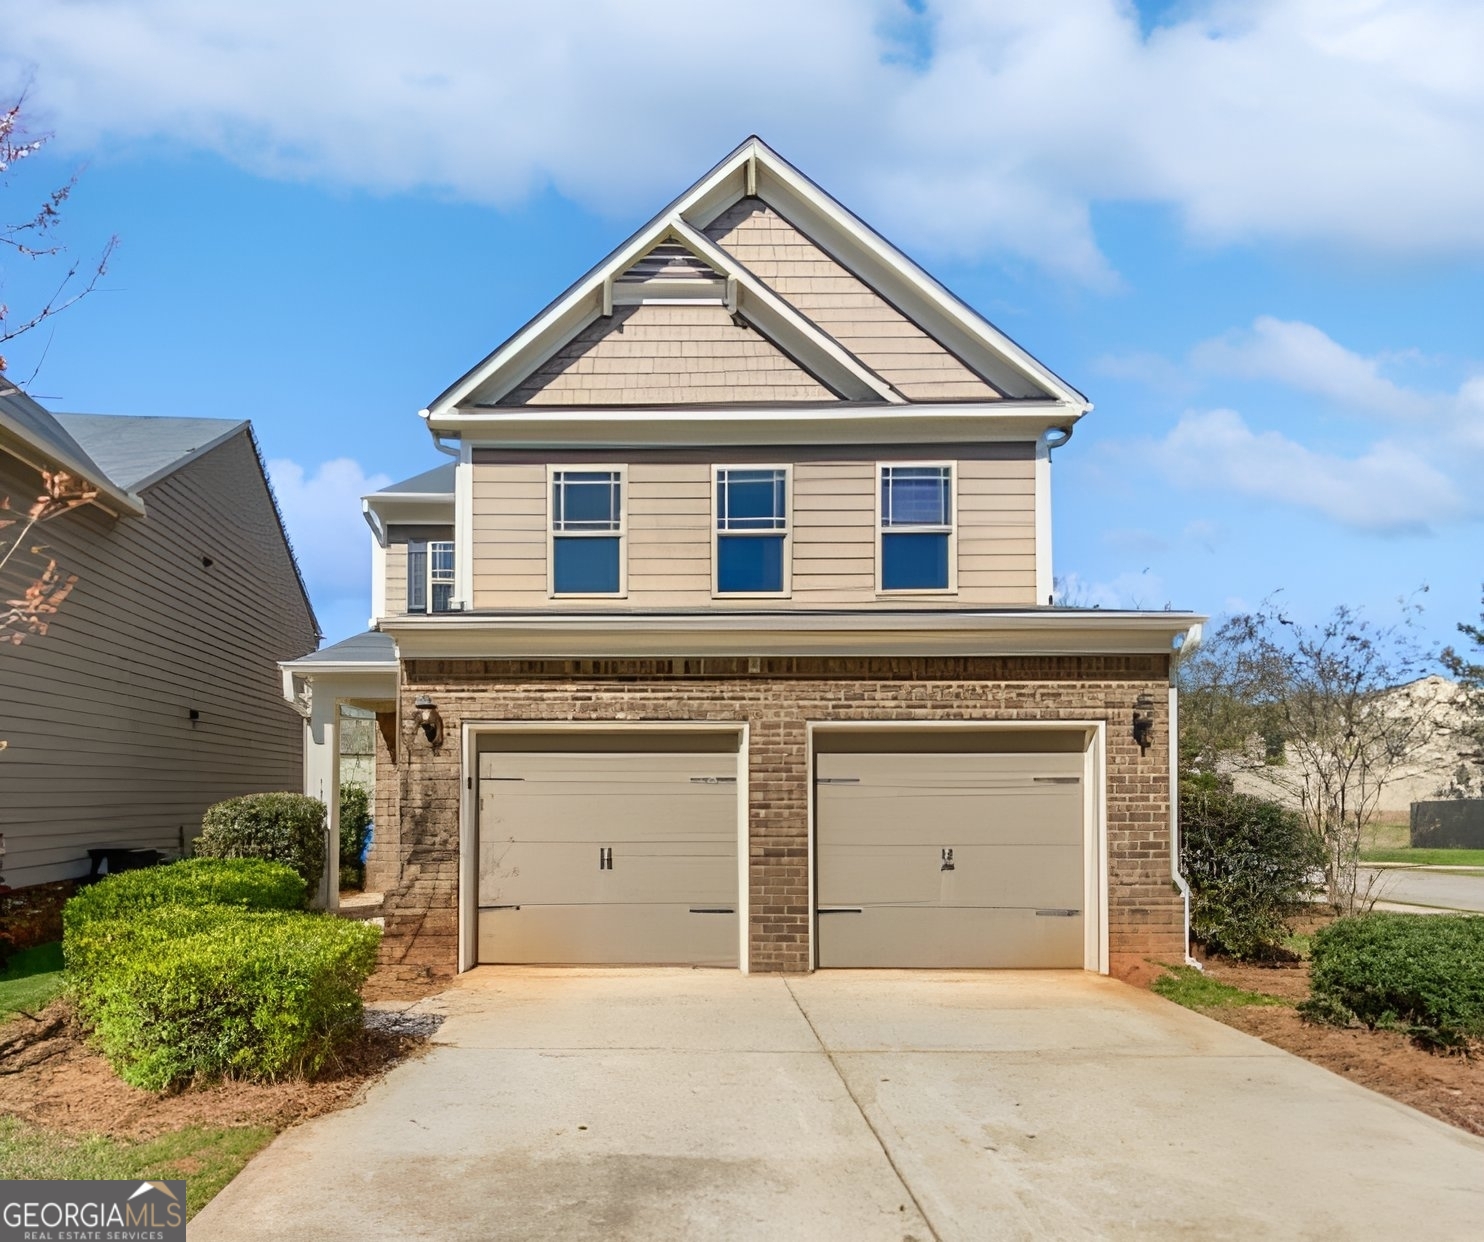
[[137, 450], [37, 429]]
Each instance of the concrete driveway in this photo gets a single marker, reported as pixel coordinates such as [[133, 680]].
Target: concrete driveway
[[654, 1104]]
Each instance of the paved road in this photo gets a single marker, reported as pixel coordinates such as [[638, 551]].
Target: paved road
[[1439, 889], [660, 1104]]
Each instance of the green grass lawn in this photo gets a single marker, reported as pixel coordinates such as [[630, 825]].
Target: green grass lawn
[[207, 1157], [31, 980], [1185, 985], [1426, 858]]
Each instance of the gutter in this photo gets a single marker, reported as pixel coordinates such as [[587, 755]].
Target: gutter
[[1181, 882]]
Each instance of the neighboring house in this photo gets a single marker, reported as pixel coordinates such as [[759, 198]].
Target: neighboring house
[[727, 636], [152, 693]]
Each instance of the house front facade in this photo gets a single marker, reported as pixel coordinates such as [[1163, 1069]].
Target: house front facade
[[725, 634]]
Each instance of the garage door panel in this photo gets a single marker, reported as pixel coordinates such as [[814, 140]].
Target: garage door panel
[[610, 935], [1019, 875], [601, 856], [537, 872], [955, 859], [950, 939]]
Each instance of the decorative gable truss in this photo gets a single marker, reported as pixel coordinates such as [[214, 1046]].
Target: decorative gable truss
[[754, 288]]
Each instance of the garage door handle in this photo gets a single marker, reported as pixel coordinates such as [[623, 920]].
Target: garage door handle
[[713, 910], [842, 910], [605, 858], [1057, 914]]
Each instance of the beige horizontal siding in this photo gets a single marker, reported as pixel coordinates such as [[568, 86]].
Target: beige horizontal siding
[[655, 354], [874, 331], [509, 524], [102, 751], [833, 534]]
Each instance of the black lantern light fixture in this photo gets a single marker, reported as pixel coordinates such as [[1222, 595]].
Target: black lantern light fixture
[[426, 718], [1144, 722]]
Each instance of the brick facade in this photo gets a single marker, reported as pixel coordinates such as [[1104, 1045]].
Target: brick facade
[[777, 697]]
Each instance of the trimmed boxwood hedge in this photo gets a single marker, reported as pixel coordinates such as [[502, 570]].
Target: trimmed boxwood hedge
[[207, 968], [1423, 973], [283, 827], [248, 883]]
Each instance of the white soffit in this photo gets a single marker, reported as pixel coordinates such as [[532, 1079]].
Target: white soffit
[[754, 169]]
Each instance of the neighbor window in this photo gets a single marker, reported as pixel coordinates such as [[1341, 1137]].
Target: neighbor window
[[587, 532], [916, 527], [751, 531], [429, 575]]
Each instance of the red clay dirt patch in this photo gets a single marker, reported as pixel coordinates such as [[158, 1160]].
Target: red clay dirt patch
[[49, 1077], [1448, 1086]]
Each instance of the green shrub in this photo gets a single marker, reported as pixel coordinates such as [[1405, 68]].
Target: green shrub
[[248, 883], [283, 827], [1423, 973], [355, 819], [209, 991], [1250, 864]]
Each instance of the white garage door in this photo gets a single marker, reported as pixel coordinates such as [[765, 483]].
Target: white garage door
[[608, 857], [950, 860]]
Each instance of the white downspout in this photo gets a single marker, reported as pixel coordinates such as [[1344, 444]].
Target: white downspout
[[1180, 881]]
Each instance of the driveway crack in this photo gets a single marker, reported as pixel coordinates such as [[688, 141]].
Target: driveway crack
[[865, 1117]]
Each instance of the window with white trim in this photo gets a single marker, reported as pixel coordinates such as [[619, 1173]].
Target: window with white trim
[[587, 532], [916, 531], [751, 530], [430, 575]]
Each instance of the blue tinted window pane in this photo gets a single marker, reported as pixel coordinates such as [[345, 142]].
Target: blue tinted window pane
[[749, 563], [585, 566], [751, 500], [914, 496], [586, 500], [442, 596], [914, 562]]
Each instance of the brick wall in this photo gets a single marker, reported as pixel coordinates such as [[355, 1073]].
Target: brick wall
[[777, 696]]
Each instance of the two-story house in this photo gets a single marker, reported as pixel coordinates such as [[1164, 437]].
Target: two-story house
[[726, 635]]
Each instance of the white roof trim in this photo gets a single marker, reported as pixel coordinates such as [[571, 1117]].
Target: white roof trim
[[597, 635], [110, 497], [754, 168]]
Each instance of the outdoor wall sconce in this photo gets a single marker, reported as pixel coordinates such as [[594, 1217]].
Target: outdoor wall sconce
[[1144, 723], [428, 720]]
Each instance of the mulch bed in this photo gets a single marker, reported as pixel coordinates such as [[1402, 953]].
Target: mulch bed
[[1448, 1086], [50, 1077]]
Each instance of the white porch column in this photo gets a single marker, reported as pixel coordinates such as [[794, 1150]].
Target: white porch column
[[322, 781]]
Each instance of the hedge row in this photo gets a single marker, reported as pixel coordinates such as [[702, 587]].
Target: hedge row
[[178, 986], [282, 827], [1423, 973]]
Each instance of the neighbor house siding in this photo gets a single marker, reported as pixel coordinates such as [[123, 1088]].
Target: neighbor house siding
[[102, 750], [833, 513]]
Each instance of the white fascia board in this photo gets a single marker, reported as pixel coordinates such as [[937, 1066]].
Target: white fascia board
[[1052, 632], [677, 426], [893, 272], [436, 509]]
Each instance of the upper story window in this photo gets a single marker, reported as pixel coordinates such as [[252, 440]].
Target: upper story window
[[429, 575], [587, 532], [916, 528], [751, 531]]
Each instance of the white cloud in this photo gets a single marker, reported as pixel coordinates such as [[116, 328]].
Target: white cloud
[[1339, 122], [1143, 590], [1304, 357], [322, 509], [1389, 488]]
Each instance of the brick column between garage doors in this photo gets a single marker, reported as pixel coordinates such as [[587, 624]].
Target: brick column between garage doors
[[778, 697]]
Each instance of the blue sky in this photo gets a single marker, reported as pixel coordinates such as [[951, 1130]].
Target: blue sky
[[1253, 234]]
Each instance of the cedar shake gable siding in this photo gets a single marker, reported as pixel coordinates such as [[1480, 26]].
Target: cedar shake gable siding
[[664, 354], [777, 697], [843, 306]]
